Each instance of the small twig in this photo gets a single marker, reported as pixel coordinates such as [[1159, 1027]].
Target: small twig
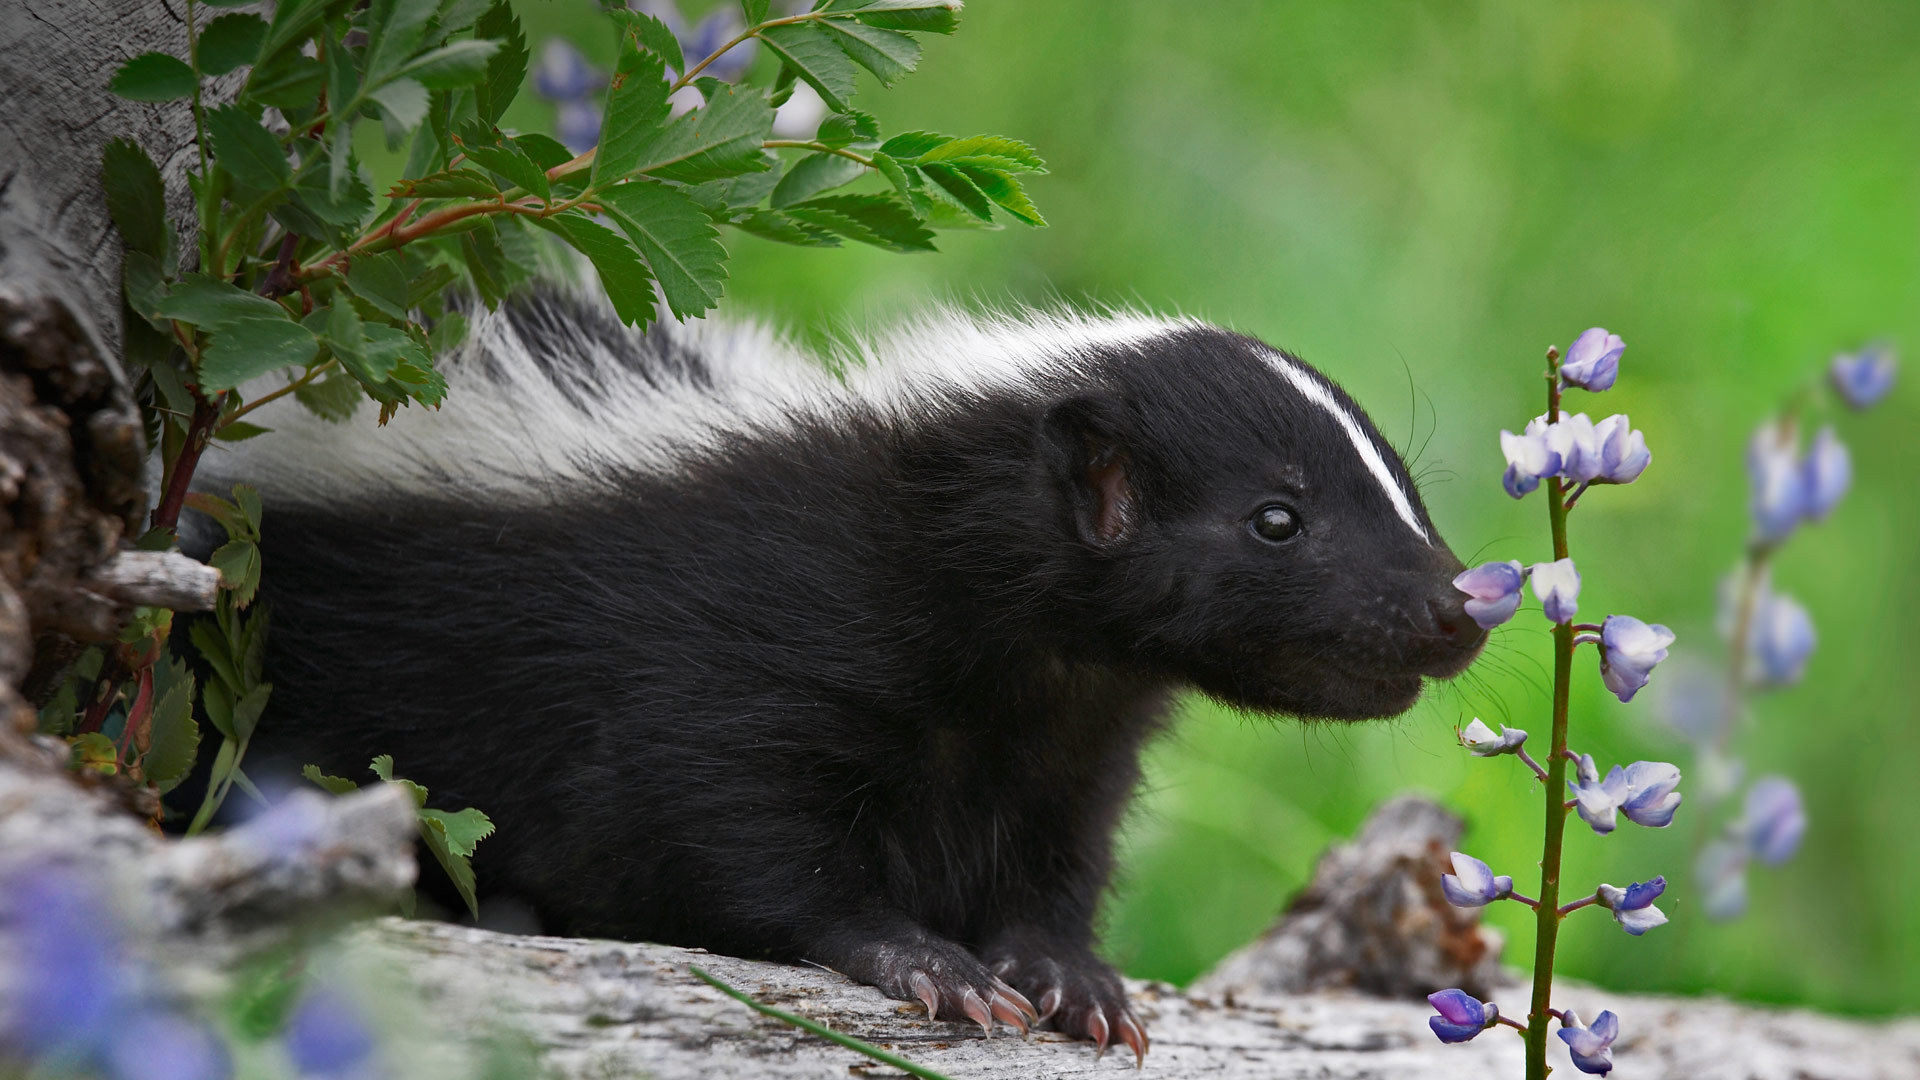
[[818, 147], [280, 280], [313, 373], [1538, 769], [1525, 899], [205, 415], [824, 1032], [1567, 909]]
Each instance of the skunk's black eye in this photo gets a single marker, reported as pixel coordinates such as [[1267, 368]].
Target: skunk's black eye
[[1275, 523]]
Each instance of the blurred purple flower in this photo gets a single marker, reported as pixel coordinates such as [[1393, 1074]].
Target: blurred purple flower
[[1776, 820], [1632, 906], [1629, 651], [563, 73], [1593, 360], [1557, 584], [166, 1046], [66, 975], [1622, 451], [698, 42], [577, 125], [328, 1037], [1590, 1047], [1480, 739], [1828, 473], [1462, 1016], [1863, 378], [1493, 591], [1721, 873], [1779, 482], [1651, 799], [1473, 884], [1780, 640], [1529, 458]]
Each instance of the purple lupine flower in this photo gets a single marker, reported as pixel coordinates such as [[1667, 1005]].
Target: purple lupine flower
[[166, 1046], [67, 981], [1622, 451], [1473, 883], [1557, 584], [1597, 800], [1629, 651], [1529, 458], [1779, 482], [1590, 1047], [1828, 472], [1593, 360], [1775, 821], [1651, 799], [1863, 378], [1780, 640], [1478, 738], [1493, 591], [698, 42], [1721, 874], [1462, 1016], [1575, 440], [1632, 906], [563, 73], [577, 125], [327, 1036]]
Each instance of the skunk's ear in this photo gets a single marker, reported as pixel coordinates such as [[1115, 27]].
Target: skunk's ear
[[1087, 450]]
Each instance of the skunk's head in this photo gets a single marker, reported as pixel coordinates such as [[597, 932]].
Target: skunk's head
[[1243, 527]]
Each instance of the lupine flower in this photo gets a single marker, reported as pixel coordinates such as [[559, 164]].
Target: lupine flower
[[1590, 1047], [1593, 360], [1577, 442], [1473, 884], [1780, 640], [1775, 820], [1863, 378], [563, 73], [1633, 906], [328, 1037], [1828, 473], [577, 125], [1493, 591], [1529, 457], [1622, 451], [1462, 1016], [166, 1046], [1779, 482], [1597, 800], [698, 42], [1692, 698], [1721, 874], [1651, 798], [1478, 738], [1557, 584], [67, 981], [1629, 651]]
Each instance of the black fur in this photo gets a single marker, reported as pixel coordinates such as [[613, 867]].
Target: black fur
[[859, 690]]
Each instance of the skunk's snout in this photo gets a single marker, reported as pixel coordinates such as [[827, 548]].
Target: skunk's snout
[[1456, 638]]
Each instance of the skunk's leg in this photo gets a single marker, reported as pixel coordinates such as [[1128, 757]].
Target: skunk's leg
[[889, 950], [1076, 992]]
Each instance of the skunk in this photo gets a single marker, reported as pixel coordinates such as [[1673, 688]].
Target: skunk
[[847, 662]]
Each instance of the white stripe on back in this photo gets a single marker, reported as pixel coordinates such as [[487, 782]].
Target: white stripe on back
[[1311, 389]]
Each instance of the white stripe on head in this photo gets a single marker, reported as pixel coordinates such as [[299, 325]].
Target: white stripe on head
[[1312, 389]]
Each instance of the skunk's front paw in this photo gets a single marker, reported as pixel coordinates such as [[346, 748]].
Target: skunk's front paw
[[1077, 994], [952, 984]]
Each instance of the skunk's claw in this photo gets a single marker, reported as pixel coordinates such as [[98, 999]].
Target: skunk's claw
[[1078, 995], [1134, 1034], [954, 986]]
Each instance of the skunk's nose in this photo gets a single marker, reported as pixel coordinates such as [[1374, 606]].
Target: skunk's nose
[[1456, 639]]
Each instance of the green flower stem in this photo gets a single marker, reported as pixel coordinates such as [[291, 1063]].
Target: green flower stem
[[209, 200], [1547, 914], [808, 144], [821, 1030], [313, 373]]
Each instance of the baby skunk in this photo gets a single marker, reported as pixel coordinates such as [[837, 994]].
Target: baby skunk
[[852, 669]]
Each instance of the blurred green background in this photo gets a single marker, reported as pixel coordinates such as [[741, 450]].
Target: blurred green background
[[1418, 198]]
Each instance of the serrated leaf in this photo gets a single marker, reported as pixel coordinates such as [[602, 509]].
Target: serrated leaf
[[776, 226], [955, 184], [239, 431], [210, 304], [246, 149], [889, 54], [755, 10], [677, 239], [403, 105], [629, 286], [246, 348], [485, 263], [1005, 192], [506, 69], [239, 564], [816, 57], [95, 752], [928, 16], [636, 106], [450, 184], [464, 829], [737, 192], [247, 710], [346, 336], [175, 737], [333, 399], [511, 163], [545, 150], [719, 140], [909, 145], [292, 21], [991, 151], [844, 129], [871, 219], [448, 332], [461, 63], [212, 646], [153, 76], [135, 198], [334, 785], [230, 41], [145, 288], [906, 181], [288, 81], [814, 174], [425, 286], [247, 498], [380, 280], [394, 30], [382, 767], [434, 832]]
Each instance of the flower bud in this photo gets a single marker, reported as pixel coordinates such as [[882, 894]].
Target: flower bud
[[1480, 739], [1493, 591], [1632, 906], [1629, 651], [1780, 640], [1623, 453], [1862, 379], [1827, 472], [1593, 360], [1462, 1016], [1557, 584], [1775, 820], [1779, 483], [1473, 884]]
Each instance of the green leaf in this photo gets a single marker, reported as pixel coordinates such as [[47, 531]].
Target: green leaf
[[385, 349], [293, 20], [844, 129], [622, 274], [394, 30], [230, 41], [929, 16], [403, 105], [246, 149], [906, 181], [1006, 192], [677, 239], [346, 336], [212, 647], [380, 280], [175, 739], [485, 263], [423, 287], [654, 35], [239, 564], [755, 10], [434, 832], [956, 184], [211, 304], [776, 226], [749, 189], [136, 199], [889, 54], [334, 785], [235, 431], [333, 399], [812, 52], [871, 219], [247, 710], [507, 68], [145, 287], [545, 150], [462, 63], [290, 80], [814, 174], [153, 76], [448, 332], [910, 145], [511, 163], [721, 139], [636, 105], [96, 752], [247, 498], [989, 151], [464, 830], [382, 767], [451, 184], [245, 348]]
